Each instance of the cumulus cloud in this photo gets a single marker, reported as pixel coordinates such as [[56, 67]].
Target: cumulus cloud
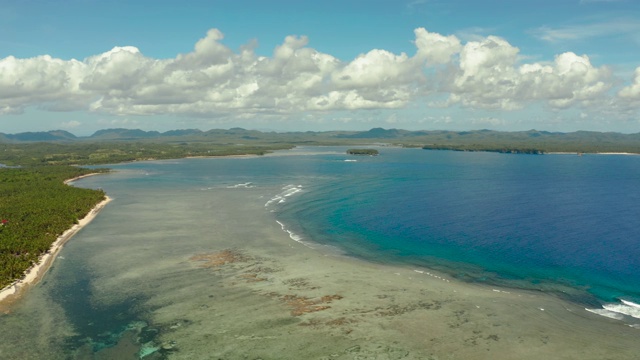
[[39, 81], [489, 76], [214, 80], [436, 48], [632, 92]]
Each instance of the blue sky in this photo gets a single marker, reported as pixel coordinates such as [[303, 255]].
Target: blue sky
[[84, 65]]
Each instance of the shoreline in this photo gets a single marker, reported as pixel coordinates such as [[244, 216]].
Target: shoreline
[[590, 153], [239, 156], [35, 273], [69, 181], [246, 284]]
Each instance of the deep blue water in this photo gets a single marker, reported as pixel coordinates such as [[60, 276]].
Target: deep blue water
[[559, 223]]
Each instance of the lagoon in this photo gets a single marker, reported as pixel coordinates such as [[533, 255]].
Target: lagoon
[[410, 254]]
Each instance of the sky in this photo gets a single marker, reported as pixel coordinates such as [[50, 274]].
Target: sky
[[508, 65]]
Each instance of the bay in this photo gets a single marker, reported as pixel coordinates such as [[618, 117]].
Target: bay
[[522, 221], [130, 286]]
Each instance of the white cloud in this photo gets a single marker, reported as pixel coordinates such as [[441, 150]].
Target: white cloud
[[489, 76], [632, 92], [436, 48], [487, 73], [38, 81]]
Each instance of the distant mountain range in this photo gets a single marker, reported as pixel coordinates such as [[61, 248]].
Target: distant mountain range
[[375, 133], [128, 134], [476, 140], [107, 134]]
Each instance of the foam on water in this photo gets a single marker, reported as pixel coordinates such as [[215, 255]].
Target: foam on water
[[629, 303], [246, 185], [629, 310], [626, 311], [287, 191], [606, 313], [295, 237]]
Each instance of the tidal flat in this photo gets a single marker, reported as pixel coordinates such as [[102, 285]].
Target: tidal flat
[[203, 270]]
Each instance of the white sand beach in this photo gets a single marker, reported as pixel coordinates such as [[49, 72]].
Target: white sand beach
[[35, 273]]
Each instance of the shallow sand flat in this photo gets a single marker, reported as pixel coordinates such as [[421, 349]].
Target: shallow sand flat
[[380, 314], [245, 289], [213, 275]]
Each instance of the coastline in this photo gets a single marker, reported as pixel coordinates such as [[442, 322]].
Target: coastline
[[589, 153], [69, 181], [240, 156], [241, 285], [35, 273]]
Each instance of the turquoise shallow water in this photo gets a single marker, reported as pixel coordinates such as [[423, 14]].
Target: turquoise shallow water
[[558, 223]]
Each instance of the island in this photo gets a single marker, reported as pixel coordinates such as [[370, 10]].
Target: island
[[369, 152]]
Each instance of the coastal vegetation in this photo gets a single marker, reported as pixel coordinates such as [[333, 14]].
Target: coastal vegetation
[[93, 153], [35, 208], [488, 148], [535, 142], [369, 152]]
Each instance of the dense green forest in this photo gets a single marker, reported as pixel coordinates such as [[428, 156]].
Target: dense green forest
[[369, 152], [35, 208], [92, 153]]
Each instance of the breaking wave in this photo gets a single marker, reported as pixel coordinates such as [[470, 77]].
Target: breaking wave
[[625, 310], [287, 191], [295, 237], [247, 185]]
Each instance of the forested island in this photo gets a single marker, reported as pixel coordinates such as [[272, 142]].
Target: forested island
[[369, 152], [36, 206]]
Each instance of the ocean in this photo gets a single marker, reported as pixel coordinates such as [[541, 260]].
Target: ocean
[[560, 224], [539, 222]]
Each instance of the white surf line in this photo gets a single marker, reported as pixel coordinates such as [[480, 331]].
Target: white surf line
[[289, 190], [623, 311], [247, 185], [432, 275], [295, 237]]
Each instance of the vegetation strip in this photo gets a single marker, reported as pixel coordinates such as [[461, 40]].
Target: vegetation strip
[[369, 152], [37, 208]]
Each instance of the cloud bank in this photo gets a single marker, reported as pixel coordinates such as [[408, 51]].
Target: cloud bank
[[213, 79]]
